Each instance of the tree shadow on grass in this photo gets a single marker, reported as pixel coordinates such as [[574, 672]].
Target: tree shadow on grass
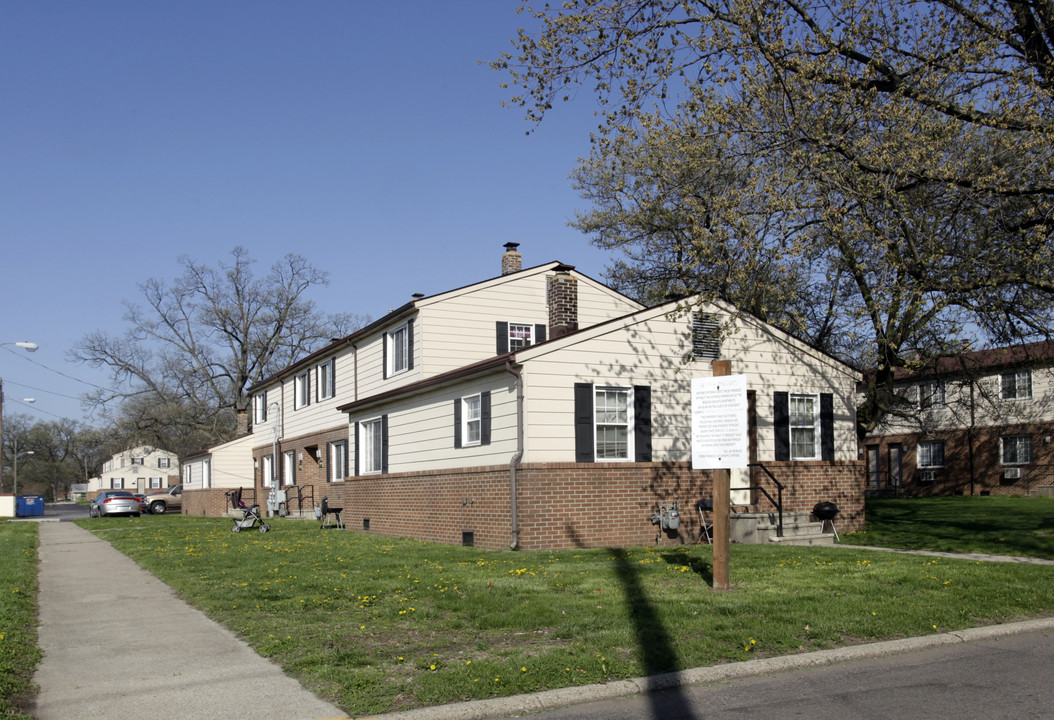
[[700, 567], [665, 693]]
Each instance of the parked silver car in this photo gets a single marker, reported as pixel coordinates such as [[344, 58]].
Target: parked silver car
[[115, 502]]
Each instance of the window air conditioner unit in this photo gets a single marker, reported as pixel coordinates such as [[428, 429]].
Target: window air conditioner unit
[[1012, 474], [927, 476]]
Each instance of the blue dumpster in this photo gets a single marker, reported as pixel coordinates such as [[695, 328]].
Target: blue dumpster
[[29, 505]]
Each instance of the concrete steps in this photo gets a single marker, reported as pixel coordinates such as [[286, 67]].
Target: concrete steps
[[758, 528]]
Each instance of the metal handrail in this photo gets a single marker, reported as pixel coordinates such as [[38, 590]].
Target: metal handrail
[[301, 492], [778, 503]]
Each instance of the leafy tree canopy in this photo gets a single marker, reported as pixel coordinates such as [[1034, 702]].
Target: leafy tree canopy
[[873, 176]]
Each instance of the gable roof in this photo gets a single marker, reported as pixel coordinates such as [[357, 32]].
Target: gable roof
[[423, 301], [986, 360]]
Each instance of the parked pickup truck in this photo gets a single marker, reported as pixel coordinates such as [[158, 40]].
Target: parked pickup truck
[[170, 499]]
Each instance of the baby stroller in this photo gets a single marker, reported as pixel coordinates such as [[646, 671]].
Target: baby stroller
[[250, 515]]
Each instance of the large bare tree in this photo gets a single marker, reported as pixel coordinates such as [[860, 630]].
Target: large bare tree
[[182, 367], [891, 161]]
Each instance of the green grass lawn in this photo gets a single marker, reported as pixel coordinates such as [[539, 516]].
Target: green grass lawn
[[19, 653], [1021, 526], [376, 624]]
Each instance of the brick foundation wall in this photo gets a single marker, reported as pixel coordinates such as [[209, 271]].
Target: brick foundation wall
[[560, 505], [204, 503]]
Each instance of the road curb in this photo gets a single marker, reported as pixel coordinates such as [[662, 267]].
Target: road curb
[[551, 699]]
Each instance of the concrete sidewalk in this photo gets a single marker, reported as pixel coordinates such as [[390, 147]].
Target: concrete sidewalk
[[118, 644], [103, 659]]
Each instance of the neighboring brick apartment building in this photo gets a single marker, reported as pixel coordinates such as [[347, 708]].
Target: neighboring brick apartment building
[[542, 409], [980, 423]]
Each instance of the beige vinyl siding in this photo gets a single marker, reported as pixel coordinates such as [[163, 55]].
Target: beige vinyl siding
[[421, 428], [232, 464], [649, 350], [458, 328], [194, 473], [263, 433], [984, 404], [319, 414]]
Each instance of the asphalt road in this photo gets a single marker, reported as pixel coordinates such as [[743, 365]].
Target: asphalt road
[[1005, 678], [66, 511]]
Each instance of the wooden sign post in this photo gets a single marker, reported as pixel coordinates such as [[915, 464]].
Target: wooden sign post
[[719, 442]]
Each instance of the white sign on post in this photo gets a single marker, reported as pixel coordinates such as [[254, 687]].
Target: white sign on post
[[719, 423]]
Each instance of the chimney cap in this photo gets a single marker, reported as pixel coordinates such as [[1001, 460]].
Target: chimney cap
[[417, 296], [511, 246], [562, 268]]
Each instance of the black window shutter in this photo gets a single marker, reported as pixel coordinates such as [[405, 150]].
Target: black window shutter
[[410, 344], [826, 426], [356, 436], [457, 422], [584, 422], [384, 443], [384, 356], [329, 462], [642, 423], [781, 424], [333, 377], [539, 333], [501, 332], [484, 418]]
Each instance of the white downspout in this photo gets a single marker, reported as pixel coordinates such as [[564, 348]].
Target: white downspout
[[515, 460]]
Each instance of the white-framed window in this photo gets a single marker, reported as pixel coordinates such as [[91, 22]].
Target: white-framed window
[[471, 420], [289, 467], [164, 462], [1016, 385], [137, 460], [521, 335], [117, 483], [931, 394], [1015, 449], [267, 470], [613, 423], [398, 349], [187, 476], [260, 407], [156, 483], [324, 379], [931, 454], [338, 460], [804, 427], [371, 445], [302, 390]]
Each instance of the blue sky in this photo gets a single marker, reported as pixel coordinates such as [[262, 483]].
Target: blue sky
[[366, 136]]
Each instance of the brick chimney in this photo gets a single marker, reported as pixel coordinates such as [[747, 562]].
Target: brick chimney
[[511, 260], [563, 302]]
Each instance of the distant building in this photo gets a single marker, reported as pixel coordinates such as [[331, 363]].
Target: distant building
[[140, 470], [976, 424]]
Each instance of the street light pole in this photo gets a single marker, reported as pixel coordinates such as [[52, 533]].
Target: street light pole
[[14, 465], [28, 347]]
